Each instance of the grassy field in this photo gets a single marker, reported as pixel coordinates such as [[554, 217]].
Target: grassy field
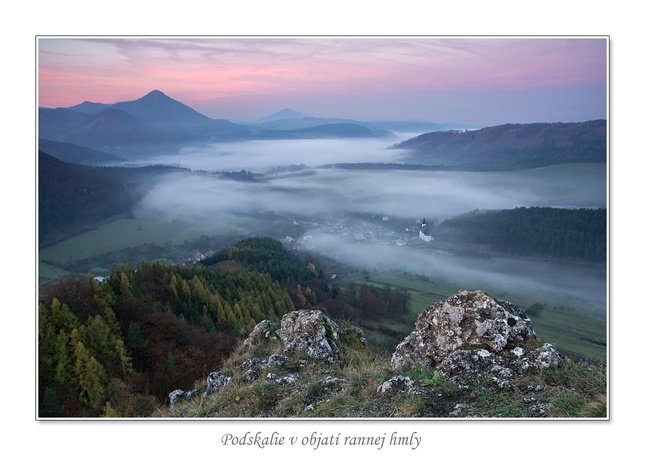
[[118, 235]]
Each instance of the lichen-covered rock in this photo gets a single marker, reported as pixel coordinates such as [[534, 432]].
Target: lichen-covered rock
[[274, 360], [468, 318], [255, 365], [251, 375], [180, 394], [399, 384], [465, 367], [330, 383], [264, 331], [288, 379], [214, 382], [541, 358], [310, 332]]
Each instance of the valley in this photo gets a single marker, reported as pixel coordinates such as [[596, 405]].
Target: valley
[[362, 226]]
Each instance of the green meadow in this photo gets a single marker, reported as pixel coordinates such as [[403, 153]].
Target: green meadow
[[144, 228]]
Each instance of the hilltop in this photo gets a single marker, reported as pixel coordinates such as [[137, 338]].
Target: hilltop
[[470, 356]]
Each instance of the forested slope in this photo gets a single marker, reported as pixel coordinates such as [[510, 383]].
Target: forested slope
[[513, 146], [532, 231], [118, 347]]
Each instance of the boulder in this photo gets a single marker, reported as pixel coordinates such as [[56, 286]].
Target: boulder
[[180, 394], [311, 333], [305, 332], [466, 319], [214, 382]]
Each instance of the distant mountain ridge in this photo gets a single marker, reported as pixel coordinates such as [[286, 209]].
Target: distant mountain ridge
[[143, 125], [88, 107], [160, 111], [288, 119], [286, 113], [156, 123], [331, 130], [513, 145]]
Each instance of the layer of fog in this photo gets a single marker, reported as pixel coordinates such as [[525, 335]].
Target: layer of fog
[[262, 156], [552, 281], [330, 193], [328, 196]]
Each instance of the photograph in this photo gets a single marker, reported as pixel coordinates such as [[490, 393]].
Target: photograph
[[322, 227]]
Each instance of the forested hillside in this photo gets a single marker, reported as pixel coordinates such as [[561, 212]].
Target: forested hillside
[[73, 198], [118, 347], [512, 146], [536, 231]]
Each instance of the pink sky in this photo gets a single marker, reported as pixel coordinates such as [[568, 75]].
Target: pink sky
[[473, 80]]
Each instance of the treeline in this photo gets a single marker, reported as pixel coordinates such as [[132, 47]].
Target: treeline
[[243, 175], [120, 346], [534, 231]]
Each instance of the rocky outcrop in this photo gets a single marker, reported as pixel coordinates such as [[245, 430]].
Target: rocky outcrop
[[473, 338], [466, 319], [255, 366], [310, 332], [304, 332], [459, 347]]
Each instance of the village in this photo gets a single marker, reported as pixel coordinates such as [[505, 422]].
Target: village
[[380, 230], [375, 230]]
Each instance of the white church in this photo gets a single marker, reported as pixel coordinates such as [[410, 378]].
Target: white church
[[423, 232]]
